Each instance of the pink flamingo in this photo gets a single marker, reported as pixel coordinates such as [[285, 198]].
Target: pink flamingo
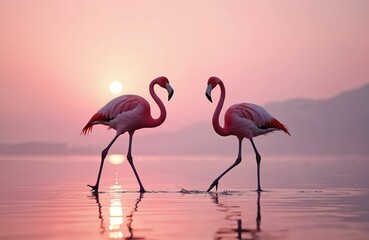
[[244, 120], [128, 113]]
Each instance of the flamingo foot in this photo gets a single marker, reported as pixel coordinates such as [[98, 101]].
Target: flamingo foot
[[214, 184], [93, 188]]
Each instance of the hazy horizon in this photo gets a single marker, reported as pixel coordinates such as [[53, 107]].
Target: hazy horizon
[[310, 135]]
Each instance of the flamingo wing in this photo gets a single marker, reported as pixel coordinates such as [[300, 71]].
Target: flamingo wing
[[114, 108], [255, 114]]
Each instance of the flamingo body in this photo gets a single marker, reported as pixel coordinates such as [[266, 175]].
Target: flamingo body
[[244, 120], [249, 120], [124, 113], [128, 113]]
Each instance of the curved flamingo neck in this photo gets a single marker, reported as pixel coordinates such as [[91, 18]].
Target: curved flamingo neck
[[163, 113], [220, 130]]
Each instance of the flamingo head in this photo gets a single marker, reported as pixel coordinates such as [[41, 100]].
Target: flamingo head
[[212, 83], [164, 83]]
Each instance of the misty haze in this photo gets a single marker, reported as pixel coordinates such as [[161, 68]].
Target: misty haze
[[68, 66]]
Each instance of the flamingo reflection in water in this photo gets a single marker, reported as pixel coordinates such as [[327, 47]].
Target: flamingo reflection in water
[[232, 214], [116, 214]]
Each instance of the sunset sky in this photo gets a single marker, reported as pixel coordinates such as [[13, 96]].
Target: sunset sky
[[57, 58]]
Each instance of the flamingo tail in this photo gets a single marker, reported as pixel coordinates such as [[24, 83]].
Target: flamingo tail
[[88, 128], [277, 124]]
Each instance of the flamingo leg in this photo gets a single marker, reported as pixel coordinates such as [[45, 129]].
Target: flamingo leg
[[258, 160], [258, 215], [238, 160], [130, 160], [103, 156]]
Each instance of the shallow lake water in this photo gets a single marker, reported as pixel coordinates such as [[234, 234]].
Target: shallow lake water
[[46, 197]]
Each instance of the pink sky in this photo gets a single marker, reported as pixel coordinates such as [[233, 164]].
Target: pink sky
[[57, 58]]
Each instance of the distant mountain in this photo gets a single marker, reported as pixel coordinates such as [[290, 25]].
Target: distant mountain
[[338, 125]]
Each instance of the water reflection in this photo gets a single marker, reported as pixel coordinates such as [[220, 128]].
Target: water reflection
[[130, 217], [115, 213], [233, 214], [118, 219], [96, 197]]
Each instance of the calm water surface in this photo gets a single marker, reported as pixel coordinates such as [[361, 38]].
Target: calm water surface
[[306, 198]]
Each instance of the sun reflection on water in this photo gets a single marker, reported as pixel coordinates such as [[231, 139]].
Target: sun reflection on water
[[116, 159], [121, 212], [116, 219]]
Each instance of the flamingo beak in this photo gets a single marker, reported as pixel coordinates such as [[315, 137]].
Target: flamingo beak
[[208, 92], [170, 91]]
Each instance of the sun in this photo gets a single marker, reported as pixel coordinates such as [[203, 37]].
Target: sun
[[115, 87]]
